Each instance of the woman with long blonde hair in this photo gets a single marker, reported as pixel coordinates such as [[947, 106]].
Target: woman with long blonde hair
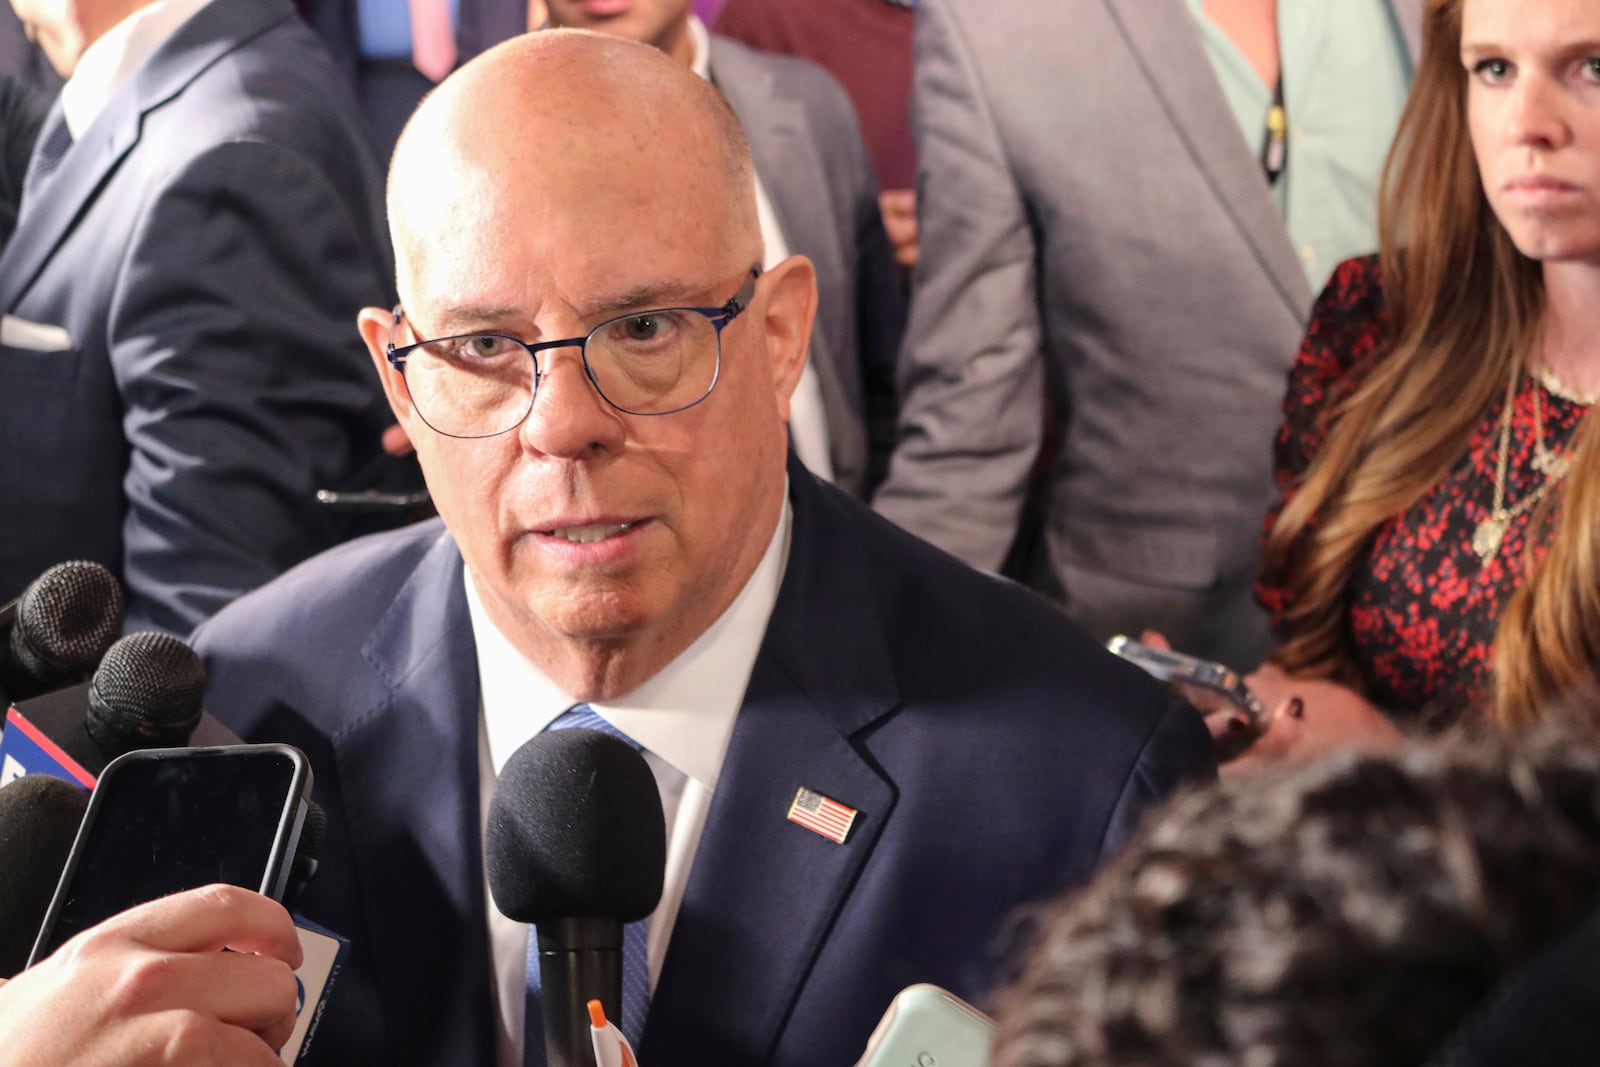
[[1436, 549]]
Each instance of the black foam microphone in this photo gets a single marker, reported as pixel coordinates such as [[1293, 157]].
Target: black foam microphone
[[56, 631], [145, 694], [39, 817], [307, 853], [577, 846]]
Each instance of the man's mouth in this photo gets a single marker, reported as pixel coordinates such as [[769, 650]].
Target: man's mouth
[[588, 535]]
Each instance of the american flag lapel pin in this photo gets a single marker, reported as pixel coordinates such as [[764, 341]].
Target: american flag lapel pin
[[823, 815]]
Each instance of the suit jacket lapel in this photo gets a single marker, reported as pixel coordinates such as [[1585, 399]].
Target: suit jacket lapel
[[1164, 40], [764, 892], [213, 32], [416, 840], [47, 219]]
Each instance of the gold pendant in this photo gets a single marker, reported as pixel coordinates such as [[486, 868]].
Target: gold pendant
[[1552, 465], [1487, 537]]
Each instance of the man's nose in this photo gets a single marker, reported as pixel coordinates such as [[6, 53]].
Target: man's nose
[[570, 418]]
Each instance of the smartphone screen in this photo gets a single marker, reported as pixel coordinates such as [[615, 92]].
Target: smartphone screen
[[164, 820]]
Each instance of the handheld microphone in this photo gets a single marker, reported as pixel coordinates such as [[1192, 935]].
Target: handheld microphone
[[307, 853], [39, 817], [145, 694], [57, 630], [577, 846]]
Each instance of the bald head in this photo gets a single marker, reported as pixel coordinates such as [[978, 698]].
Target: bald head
[[550, 127], [562, 188]]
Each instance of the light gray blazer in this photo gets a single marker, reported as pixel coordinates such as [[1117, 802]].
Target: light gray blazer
[[1091, 218], [806, 145]]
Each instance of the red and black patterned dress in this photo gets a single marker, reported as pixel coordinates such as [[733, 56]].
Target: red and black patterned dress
[[1422, 606]]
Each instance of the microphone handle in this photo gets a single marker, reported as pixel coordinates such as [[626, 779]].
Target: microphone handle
[[579, 960]]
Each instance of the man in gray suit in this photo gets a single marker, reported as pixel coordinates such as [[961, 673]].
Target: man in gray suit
[[818, 197], [1094, 224], [179, 374]]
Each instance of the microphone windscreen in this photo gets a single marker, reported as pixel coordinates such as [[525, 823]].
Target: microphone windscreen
[[309, 850], [146, 693], [65, 621], [576, 830], [39, 817], [307, 853]]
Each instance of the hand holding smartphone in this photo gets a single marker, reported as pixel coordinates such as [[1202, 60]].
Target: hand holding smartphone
[[161, 821], [1212, 687]]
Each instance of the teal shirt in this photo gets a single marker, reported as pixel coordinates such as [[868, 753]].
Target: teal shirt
[[1346, 72]]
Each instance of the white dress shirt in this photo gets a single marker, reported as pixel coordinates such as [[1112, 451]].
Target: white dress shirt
[[682, 717], [108, 63]]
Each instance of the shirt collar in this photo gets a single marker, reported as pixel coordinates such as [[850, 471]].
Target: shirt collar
[[684, 714], [700, 39], [106, 65]]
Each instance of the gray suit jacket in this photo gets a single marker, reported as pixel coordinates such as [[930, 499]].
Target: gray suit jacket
[[806, 145], [200, 253], [1092, 222]]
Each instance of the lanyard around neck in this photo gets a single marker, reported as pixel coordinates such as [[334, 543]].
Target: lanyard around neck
[[1275, 143]]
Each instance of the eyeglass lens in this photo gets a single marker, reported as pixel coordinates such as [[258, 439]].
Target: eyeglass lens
[[646, 363]]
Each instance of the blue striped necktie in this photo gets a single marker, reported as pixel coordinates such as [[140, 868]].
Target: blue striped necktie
[[635, 953], [53, 142]]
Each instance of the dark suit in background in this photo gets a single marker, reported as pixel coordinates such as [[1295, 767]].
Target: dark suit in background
[[197, 259], [388, 91], [994, 753], [20, 58], [807, 148], [22, 111]]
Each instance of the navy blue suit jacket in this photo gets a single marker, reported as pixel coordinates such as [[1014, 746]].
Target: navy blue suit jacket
[[202, 251], [995, 754]]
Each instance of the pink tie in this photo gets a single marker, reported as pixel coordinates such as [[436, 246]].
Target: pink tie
[[433, 41]]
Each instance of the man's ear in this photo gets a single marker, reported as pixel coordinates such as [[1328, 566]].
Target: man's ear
[[376, 325], [790, 307]]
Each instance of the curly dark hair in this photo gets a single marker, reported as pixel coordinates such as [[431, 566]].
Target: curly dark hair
[[1349, 913]]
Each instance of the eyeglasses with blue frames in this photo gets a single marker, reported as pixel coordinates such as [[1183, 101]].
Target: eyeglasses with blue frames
[[654, 362]]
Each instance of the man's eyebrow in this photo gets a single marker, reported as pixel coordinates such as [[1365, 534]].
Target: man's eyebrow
[[459, 318], [456, 318], [642, 298]]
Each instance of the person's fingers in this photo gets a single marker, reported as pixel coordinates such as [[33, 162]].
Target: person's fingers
[[1226, 725], [256, 993], [898, 202], [1155, 639], [253, 992], [192, 1039], [211, 918]]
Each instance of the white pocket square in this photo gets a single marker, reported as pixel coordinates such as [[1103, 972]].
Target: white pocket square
[[36, 336]]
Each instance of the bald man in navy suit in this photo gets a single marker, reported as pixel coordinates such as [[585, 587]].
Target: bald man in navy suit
[[596, 373]]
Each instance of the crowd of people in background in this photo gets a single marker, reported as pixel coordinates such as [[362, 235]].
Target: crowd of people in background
[[1265, 330]]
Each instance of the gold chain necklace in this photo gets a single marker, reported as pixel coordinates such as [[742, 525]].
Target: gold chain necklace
[[1489, 534], [1556, 387]]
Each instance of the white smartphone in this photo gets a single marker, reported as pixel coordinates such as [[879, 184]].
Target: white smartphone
[[927, 1026]]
